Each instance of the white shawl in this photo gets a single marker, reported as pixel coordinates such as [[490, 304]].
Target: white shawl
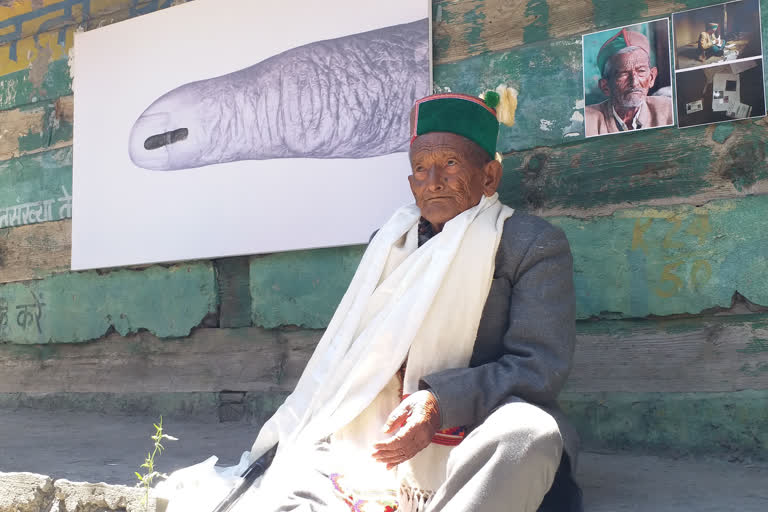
[[424, 305]]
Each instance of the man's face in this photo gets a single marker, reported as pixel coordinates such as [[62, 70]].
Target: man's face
[[631, 78], [449, 175]]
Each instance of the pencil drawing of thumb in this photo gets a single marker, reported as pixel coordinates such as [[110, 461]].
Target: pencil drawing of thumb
[[341, 98]]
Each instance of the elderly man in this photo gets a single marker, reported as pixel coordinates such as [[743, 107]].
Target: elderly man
[[710, 44], [434, 386], [627, 76]]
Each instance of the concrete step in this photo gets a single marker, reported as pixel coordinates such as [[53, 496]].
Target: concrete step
[[97, 448]]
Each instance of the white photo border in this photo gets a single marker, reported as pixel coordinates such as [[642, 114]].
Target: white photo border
[[671, 75]]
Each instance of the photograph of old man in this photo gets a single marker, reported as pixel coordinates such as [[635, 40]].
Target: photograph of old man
[[717, 34], [627, 77]]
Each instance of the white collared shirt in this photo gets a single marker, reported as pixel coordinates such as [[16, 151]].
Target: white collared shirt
[[636, 124]]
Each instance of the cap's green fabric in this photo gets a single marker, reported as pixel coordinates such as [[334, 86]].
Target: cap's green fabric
[[712, 26], [623, 39], [459, 114]]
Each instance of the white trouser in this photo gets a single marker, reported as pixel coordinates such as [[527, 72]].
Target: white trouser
[[507, 463]]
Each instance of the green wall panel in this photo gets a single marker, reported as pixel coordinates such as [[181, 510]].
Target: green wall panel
[[82, 306], [302, 287], [635, 263], [36, 188], [666, 261], [548, 77], [673, 423]]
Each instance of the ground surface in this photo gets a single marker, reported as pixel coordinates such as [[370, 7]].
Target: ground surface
[[93, 447]]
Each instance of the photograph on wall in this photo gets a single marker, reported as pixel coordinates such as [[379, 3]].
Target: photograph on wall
[[717, 34], [719, 64], [727, 92], [627, 79], [243, 128]]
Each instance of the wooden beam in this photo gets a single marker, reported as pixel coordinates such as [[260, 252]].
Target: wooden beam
[[665, 167], [35, 251], [683, 356], [210, 360], [465, 28], [233, 283]]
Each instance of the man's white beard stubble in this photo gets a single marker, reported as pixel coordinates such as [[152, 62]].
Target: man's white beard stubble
[[631, 100]]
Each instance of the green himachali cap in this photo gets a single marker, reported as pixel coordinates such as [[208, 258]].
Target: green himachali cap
[[461, 114], [712, 26], [623, 39], [475, 118]]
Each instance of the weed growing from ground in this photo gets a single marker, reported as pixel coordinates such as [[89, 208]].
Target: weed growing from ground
[[150, 473]]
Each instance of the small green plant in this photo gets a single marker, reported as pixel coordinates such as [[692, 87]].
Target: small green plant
[[150, 473]]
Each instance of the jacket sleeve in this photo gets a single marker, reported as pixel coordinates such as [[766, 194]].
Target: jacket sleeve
[[705, 42], [537, 345]]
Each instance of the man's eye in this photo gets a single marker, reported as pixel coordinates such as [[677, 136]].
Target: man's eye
[[451, 162]]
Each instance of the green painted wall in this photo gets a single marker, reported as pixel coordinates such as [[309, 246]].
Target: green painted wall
[[673, 423], [637, 262], [301, 288], [84, 306], [667, 261], [36, 188], [55, 130], [18, 88], [547, 75]]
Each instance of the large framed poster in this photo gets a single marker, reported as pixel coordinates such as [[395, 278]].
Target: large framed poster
[[228, 128]]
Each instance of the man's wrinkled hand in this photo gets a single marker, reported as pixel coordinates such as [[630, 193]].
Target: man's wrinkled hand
[[412, 423]]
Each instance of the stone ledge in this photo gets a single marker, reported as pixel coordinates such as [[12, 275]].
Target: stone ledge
[[29, 492], [25, 492]]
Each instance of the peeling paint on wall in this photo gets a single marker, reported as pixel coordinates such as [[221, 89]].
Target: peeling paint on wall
[[668, 261], [77, 307]]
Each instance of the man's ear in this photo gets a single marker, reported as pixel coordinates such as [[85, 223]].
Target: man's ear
[[603, 85], [412, 184], [492, 172], [654, 74]]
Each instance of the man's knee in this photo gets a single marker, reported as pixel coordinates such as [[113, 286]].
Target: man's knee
[[527, 430], [518, 431]]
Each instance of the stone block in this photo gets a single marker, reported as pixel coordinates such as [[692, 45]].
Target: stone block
[[25, 492]]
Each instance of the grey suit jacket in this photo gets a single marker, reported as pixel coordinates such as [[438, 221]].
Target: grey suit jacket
[[525, 342]]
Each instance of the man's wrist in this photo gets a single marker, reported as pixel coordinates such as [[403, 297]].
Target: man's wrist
[[433, 410]]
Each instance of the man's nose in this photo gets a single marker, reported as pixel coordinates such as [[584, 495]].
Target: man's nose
[[434, 178]]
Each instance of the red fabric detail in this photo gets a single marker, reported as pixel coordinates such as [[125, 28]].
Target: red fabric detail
[[446, 440], [466, 97]]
